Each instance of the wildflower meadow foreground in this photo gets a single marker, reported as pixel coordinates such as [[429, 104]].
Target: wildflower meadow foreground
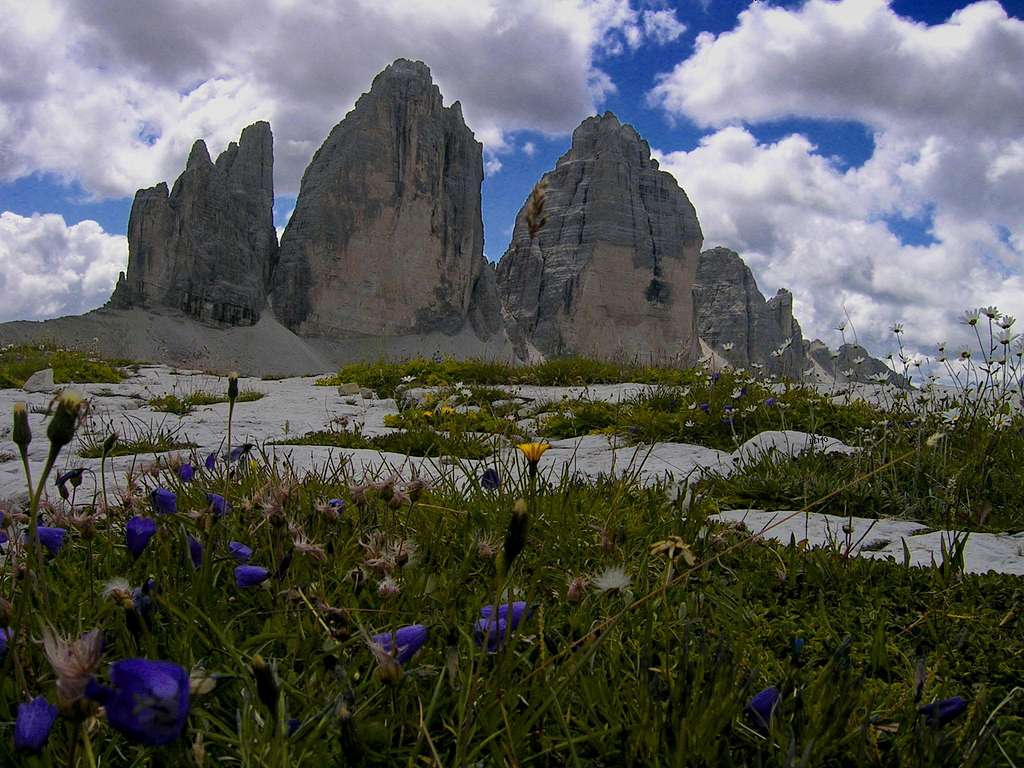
[[229, 607]]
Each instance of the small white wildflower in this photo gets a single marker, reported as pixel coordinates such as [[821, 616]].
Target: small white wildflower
[[1006, 337], [1001, 421], [897, 328], [1006, 321], [858, 360], [990, 312], [407, 379], [727, 347], [612, 579], [842, 326], [970, 316], [847, 372]]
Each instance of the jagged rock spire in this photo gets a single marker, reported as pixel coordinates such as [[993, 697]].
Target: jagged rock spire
[[387, 235], [206, 247]]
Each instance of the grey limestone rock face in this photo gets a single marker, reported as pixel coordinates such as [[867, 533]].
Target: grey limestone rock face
[[40, 381], [387, 234], [735, 320], [208, 246], [611, 272], [851, 362]]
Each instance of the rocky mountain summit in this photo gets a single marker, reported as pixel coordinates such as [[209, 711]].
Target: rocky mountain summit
[[387, 234], [207, 247], [383, 255], [611, 272]]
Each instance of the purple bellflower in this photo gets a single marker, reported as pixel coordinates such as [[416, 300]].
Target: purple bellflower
[[943, 711], [250, 575], [490, 633], [33, 725], [403, 642], [51, 538], [195, 552], [137, 534], [148, 702], [218, 504], [490, 479], [240, 551], [73, 476], [165, 502], [761, 708]]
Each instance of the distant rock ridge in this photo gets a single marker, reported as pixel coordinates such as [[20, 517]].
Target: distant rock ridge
[[207, 247], [387, 233], [734, 319], [851, 362], [611, 272], [386, 243]]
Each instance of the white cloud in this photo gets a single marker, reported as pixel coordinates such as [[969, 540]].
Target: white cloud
[[856, 59], [113, 96], [51, 269], [529, 149], [662, 26], [491, 165], [803, 223], [945, 104]]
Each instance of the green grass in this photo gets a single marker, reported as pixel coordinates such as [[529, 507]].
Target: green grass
[[18, 363], [411, 442], [965, 480], [654, 672], [719, 411], [385, 378], [184, 405], [135, 437]]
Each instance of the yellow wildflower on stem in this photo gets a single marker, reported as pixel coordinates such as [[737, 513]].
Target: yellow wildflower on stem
[[533, 452]]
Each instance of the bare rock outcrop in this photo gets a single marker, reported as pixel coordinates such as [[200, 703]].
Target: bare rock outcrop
[[207, 247], [733, 318], [851, 362], [611, 272], [387, 236]]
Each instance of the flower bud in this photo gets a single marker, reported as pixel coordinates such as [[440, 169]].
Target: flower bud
[[22, 433], [232, 386], [515, 536], [70, 407], [108, 444], [268, 688]]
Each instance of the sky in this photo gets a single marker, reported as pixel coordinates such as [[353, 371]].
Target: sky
[[868, 155]]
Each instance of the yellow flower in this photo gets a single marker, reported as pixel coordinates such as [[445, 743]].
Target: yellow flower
[[446, 410], [672, 546], [428, 414], [533, 451]]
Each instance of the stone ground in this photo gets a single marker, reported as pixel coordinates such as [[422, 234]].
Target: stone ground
[[294, 406]]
